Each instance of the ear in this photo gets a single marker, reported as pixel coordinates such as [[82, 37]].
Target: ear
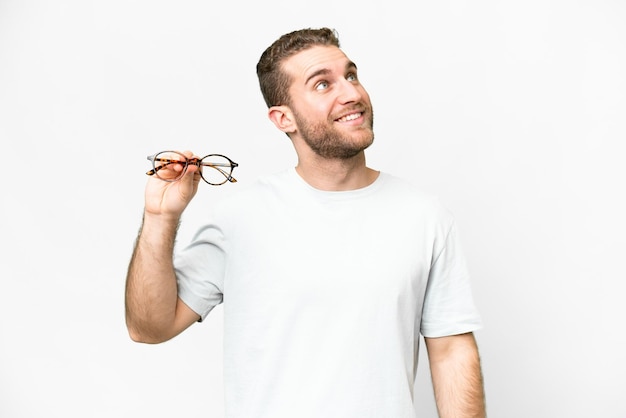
[[282, 117]]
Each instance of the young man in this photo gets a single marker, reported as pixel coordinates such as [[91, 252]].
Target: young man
[[328, 272]]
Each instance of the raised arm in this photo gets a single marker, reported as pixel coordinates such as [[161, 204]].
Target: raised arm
[[457, 377], [154, 313]]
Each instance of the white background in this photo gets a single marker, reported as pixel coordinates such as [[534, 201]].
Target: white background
[[512, 112]]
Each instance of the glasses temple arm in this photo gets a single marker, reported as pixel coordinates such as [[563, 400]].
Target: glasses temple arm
[[217, 166]]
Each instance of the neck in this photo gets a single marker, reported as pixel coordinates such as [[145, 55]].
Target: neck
[[336, 174]]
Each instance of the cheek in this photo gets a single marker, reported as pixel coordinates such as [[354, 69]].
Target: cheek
[[318, 107], [320, 104], [365, 96], [319, 111]]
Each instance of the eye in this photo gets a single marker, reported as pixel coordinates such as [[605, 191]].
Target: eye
[[322, 85], [351, 77]]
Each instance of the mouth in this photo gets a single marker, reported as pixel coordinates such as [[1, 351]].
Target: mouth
[[350, 117]]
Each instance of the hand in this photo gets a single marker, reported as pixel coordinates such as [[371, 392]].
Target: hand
[[171, 198]]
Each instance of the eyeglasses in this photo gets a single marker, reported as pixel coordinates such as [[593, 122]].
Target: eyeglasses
[[172, 165]]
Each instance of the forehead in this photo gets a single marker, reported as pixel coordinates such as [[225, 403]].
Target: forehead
[[304, 64]]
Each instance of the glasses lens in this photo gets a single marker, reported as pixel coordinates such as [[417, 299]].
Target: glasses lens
[[170, 165], [216, 169]]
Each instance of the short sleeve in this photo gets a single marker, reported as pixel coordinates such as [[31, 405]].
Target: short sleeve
[[448, 304], [200, 270]]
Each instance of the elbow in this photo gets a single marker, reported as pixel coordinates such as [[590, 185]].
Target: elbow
[[136, 336], [144, 339], [144, 335]]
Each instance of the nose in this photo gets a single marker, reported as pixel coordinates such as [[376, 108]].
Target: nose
[[350, 92]]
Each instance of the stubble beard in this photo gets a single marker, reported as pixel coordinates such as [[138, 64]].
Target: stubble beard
[[330, 143]]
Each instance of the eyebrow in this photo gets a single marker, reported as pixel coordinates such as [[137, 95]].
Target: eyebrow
[[323, 71]]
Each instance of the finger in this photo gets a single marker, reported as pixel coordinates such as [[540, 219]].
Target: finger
[[189, 154], [193, 168]]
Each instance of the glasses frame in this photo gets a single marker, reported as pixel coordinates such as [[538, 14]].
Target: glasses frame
[[198, 162]]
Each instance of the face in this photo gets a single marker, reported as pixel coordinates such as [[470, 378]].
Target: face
[[331, 109]]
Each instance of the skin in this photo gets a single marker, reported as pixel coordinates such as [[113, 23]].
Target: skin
[[329, 120], [326, 90], [154, 313], [456, 375]]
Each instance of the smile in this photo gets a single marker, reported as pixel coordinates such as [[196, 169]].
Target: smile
[[350, 117]]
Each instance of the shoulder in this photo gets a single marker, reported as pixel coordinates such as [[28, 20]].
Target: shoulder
[[407, 196], [254, 195], [261, 185]]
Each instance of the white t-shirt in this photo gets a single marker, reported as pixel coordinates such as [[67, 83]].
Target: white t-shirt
[[325, 295]]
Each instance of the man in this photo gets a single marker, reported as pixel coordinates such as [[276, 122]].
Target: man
[[328, 272]]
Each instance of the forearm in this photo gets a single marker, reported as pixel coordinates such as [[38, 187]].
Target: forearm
[[457, 379], [151, 289]]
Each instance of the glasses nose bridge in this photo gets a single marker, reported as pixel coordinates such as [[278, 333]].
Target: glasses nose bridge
[[194, 161]]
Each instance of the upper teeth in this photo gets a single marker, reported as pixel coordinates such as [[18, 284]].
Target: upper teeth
[[350, 117]]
